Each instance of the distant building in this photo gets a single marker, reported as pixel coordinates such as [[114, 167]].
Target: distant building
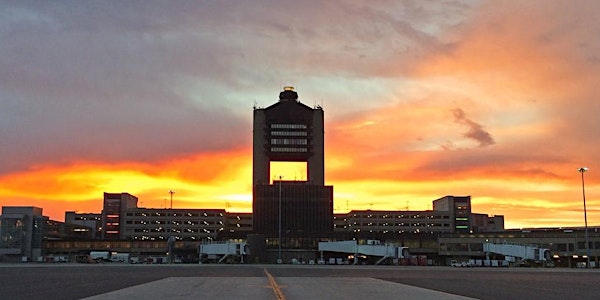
[[114, 207], [459, 208], [122, 219], [154, 224], [485, 223], [394, 223], [21, 233], [290, 131], [451, 214], [93, 221], [144, 231], [566, 245], [57, 230], [238, 224], [157, 224]]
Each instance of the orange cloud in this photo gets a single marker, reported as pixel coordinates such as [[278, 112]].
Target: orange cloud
[[510, 80], [203, 180]]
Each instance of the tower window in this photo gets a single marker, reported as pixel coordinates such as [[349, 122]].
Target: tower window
[[289, 133], [279, 149], [288, 126]]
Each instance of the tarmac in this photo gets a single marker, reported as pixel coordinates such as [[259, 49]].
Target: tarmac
[[287, 288], [64, 281]]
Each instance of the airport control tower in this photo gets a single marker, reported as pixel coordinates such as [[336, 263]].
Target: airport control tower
[[290, 131]]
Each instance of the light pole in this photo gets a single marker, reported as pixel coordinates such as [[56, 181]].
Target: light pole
[[171, 192], [279, 250], [170, 239], [587, 243]]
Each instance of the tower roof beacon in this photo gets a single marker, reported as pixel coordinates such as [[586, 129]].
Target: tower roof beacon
[[288, 94]]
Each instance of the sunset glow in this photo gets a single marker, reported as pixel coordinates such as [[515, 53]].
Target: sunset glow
[[493, 99]]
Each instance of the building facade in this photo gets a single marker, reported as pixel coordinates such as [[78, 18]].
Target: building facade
[[459, 208], [394, 222], [566, 245], [182, 224], [92, 221], [290, 131], [450, 214], [305, 208], [114, 207], [21, 233], [122, 219], [485, 223]]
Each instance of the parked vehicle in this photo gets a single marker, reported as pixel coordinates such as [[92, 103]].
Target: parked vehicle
[[100, 256]]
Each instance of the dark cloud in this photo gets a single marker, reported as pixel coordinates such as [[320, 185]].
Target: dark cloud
[[104, 82], [133, 80], [475, 131]]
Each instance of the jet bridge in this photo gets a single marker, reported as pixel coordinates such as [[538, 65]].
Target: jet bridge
[[371, 249], [220, 252], [522, 252]]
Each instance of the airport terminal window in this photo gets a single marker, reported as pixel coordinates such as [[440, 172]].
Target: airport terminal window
[[412, 243], [443, 247], [581, 245], [476, 247], [458, 247], [566, 247]]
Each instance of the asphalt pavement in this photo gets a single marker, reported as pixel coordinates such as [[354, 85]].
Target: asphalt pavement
[[119, 281]]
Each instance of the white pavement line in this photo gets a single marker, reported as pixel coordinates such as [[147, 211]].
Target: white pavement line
[[179, 288], [333, 288]]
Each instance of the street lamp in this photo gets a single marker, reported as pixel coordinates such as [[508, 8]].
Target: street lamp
[[279, 250], [170, 238], [171, 192], [587, 243]]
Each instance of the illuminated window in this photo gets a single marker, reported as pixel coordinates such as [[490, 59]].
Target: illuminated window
[[289, 133], [288, 142], [279, 149]]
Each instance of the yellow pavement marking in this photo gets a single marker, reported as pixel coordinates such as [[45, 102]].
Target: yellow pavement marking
[[276, 289]]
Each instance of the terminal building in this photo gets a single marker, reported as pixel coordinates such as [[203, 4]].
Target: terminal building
[[434, 235], [289, 217], [145, 231], [21, 232], [450, 214]]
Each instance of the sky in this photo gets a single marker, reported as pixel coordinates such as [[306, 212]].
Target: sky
[[422, 99]]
